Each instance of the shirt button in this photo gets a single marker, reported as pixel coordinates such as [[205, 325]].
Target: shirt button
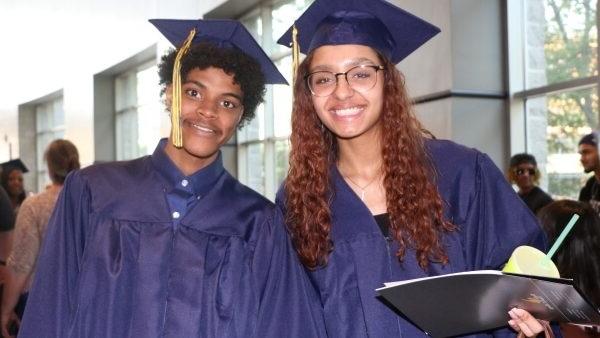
[[176, 215], [184, 183]]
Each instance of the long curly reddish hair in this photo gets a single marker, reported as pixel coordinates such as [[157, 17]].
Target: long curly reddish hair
[[414, 205]]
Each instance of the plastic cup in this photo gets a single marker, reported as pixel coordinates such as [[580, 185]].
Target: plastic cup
[[527, 260]]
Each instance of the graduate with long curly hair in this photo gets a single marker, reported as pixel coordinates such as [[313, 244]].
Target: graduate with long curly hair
[[370, 196]]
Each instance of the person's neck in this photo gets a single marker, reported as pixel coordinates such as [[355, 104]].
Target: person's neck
[[186, 162], [526, 190], [14, 200], [360, 156], [597, 174]]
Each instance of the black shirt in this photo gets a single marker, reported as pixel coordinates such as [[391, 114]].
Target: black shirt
[[591, 190], [383, 220], [536, 199], [7, 217]]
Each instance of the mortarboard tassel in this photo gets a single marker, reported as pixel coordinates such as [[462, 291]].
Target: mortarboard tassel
[[295, 54], [176, 136]]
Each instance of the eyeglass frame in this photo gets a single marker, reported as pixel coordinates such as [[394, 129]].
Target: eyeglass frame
[[335, 75], [521, 172]]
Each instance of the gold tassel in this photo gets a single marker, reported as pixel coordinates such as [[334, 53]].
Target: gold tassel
[[295, 54], [176, 136]]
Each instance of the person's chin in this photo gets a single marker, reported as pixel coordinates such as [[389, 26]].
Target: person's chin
[[203, 152]]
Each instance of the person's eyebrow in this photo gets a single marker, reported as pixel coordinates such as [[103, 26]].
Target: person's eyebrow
[[347, 63]]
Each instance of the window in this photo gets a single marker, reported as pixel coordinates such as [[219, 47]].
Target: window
[[137, 101], [50, 125], [263, 144], [558, 85]]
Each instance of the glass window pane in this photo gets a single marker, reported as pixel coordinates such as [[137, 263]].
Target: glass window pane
[[42, 117], [282, 150], [148, 89], [254, 26], [59, 115], [255, 130], [149, 108], [255, 167], [561, 41], [282, 101], [126, 124], [125, 91], [555, 123], [281, 15], [50, 125]]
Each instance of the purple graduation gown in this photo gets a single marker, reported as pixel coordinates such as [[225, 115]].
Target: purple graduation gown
[[491, 219], [116, 264]]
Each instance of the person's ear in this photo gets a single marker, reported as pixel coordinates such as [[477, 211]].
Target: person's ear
[[169, 96], [240, 118]]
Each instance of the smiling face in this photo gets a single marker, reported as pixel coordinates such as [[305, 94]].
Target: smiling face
[[348, 113], [211, 108], [15, 182]]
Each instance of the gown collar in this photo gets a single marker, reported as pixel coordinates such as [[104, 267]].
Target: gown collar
[[198, 183]]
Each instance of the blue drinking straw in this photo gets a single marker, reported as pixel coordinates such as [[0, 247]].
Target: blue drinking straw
[[562, 236]]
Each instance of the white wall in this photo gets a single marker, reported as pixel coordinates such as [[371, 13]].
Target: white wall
[[61, 44]]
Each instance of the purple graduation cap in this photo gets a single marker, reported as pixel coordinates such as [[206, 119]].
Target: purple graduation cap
[[223, 33], [378, 24], [14, 164]]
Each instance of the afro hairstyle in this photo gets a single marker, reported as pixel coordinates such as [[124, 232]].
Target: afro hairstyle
[[245, 70]]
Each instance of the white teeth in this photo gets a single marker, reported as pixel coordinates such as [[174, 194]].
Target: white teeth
[[347, 111], [204, 129]]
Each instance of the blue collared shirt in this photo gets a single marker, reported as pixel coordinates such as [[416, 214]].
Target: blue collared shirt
[[183, 192]]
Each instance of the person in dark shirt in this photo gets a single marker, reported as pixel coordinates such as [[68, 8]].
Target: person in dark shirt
[[524, 173], [588, 149], [11, 180], [6, 225]]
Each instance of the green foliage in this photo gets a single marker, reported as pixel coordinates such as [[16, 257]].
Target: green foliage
[[565, 186], [571, 52], [570, 49]]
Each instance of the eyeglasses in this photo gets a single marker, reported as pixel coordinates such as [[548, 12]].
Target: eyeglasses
[[360, 78], [521, 172]]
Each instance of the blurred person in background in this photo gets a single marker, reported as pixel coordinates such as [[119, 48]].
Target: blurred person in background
[[579, 255], [12, 194], [524, 173], [12, 181], [62, 157], [6, 225], [588, 149]]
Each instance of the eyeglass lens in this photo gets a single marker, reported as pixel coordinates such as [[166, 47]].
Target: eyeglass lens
[[360, 78], [531, 172]]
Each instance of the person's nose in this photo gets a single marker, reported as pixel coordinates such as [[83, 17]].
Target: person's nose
[[207, 109], [342, 88]]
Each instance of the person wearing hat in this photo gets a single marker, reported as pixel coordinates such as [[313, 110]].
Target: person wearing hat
[[588, 150], [523, 172], [172, 245], [386, 203]]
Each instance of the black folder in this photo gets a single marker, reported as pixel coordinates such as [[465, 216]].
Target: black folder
[[473, 301]]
